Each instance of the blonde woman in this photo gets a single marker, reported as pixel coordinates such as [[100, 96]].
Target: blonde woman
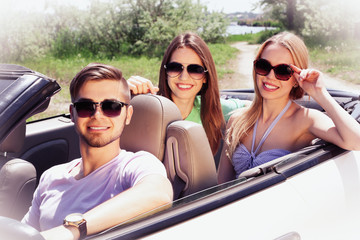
[[274, 125]]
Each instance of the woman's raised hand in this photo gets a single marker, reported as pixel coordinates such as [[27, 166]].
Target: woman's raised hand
[[140, 85], [310, 80]]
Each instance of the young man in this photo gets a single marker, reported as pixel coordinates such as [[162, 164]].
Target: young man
[[107, 185]]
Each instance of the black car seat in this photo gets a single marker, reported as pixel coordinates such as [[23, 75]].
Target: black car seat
[[17, 176], [157, 127]]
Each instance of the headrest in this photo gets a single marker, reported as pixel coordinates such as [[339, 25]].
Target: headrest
[[147, 129], [189, 161], [15, 140]]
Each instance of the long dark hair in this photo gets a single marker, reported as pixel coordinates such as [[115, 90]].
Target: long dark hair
[[211, 113]]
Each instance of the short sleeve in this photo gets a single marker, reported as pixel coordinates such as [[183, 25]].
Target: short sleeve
[[142, 164]]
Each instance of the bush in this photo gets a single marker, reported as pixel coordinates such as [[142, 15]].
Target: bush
[[264, 35], [108, 29]]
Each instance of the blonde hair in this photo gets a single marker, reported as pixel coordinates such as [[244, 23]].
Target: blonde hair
[[243, 124]]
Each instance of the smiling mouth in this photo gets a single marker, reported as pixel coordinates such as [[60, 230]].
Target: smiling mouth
[[98, 128], [184, 86], [269, 86]]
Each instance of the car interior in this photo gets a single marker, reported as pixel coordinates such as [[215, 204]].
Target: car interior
[[23, 93], [156, 126]]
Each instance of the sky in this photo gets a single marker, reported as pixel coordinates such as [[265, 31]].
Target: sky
[[227, 6]]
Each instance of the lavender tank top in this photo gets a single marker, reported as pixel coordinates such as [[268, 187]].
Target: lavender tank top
[[243, 160]]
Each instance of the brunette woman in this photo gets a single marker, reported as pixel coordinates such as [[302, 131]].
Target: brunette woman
[[188, 77]]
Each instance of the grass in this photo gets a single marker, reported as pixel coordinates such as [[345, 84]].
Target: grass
[[340, 61], [253, 38], [222, 54]]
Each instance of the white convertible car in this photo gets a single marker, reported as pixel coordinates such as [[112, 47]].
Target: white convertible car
[[310, 194]]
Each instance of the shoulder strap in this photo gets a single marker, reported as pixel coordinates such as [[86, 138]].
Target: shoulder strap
[[267, 132]]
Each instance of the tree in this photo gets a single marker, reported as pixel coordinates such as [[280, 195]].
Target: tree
[[286, 12]]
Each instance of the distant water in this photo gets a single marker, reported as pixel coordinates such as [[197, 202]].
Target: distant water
[[238, 30]]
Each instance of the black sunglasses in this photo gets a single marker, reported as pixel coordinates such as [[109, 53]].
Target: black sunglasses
[[174, 69], [282, 72], [110, 108]]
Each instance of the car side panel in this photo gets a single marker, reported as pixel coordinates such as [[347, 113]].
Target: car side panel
[[50, 142], [319, 203]]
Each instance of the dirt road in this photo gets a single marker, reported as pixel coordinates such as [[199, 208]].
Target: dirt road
[[242, 76], [242, 67]]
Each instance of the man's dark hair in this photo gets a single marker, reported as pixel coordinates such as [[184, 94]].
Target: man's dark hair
[[98, 71]]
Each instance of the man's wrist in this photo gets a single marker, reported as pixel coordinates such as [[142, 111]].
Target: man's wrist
[[76, 223]]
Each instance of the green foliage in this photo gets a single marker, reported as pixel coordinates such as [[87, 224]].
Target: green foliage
[[108, 29], [63, 46], [260, 23], [264, 35], [285, 12], [253, 38], [213, 28]]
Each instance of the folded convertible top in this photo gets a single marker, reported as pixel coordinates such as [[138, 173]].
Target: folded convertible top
[[23, 93]]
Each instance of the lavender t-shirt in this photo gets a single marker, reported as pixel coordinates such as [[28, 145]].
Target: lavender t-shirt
[[60, 194]]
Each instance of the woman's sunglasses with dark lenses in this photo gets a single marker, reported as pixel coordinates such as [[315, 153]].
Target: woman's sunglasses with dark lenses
[[110, 108], [282, 72], [174, 69]]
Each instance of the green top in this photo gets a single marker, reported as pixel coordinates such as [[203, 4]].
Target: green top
[[227, 106]]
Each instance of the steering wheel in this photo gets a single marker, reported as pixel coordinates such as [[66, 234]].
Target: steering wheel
[[12, 229]]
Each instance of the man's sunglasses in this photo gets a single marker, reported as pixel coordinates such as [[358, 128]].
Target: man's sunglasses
[[174, 69], [110, 108], [282, 72]]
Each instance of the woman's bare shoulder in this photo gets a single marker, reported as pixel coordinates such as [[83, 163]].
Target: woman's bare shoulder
[[236, 114], [306, 115]]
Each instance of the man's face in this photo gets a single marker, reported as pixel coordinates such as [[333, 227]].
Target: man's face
[[100, 130]]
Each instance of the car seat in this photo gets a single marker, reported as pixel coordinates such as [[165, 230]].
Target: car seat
[[17, 176], [157, 127]]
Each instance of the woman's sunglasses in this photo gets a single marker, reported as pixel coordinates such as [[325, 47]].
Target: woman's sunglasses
[[110, 108], [282, 72], [174, 69]]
